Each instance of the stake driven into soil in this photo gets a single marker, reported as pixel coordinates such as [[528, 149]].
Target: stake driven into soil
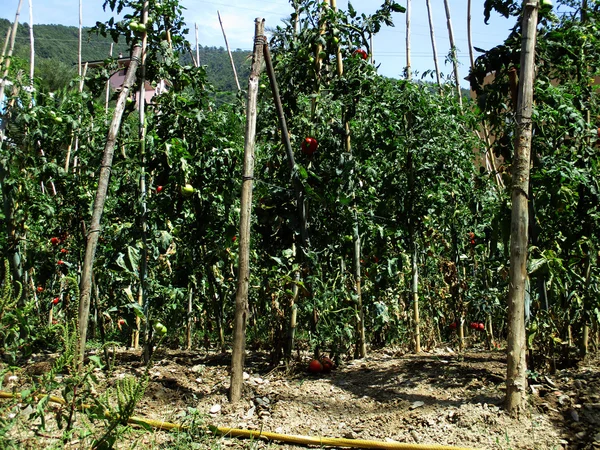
[[253, 434]]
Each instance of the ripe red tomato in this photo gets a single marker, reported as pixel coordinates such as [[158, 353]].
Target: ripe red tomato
[[64, 250], [40, 289], [327, 364], [309, 145], [159, 189], [471, 235], [54, 240], [55, 301], [453, 326], [60, 262], [481, 326], [472, 241], [234, 238], [360, 52], [315, 366], [473, 325]]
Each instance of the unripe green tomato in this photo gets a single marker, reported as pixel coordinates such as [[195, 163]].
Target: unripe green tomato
[[133, 25], [187, 190], [160, 329]]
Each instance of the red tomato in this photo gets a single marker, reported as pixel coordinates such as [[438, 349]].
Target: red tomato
[[309, 145], [159, 189], [473, 325], [315, 366], [327, 364], [40, 289], [360, 52], [54, 240], [55, 301], [234, 238], [60, 262], [481, 326], [453, 326], [64, 250]]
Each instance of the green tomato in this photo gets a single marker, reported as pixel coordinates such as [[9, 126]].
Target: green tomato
[[133, 25], [58, 119], [546, 4], [187, 190], [160, 329], [336, 40]]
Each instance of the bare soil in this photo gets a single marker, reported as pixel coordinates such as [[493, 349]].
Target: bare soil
[[440, 397]]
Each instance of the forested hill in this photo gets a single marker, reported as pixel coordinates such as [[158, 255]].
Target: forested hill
[[56, 54]]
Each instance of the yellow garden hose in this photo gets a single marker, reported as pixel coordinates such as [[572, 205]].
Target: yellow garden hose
[[292, 439]]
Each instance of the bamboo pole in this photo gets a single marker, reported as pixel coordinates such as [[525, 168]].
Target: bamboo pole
[[198, 48], [143, 193], [300, 200], [361, 344], [13, 35], [190, 305], [453, 51], [32, 45], [433, 45], [5, 46], [108, 84], [516, 379], [94, 229], [469, 34], [408, 67], [318, 61], [79, 38], [241, 298], [237, 82]]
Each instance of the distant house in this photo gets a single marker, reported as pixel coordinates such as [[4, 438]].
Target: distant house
[[117, 79]]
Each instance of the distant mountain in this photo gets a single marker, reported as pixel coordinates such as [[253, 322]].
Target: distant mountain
[[56, 55]]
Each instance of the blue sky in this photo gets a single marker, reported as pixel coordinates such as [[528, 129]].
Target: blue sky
[[238, 19]]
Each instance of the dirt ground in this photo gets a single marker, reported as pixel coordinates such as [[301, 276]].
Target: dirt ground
[[440, 397]]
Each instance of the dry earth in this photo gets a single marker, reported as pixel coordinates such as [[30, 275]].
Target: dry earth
[[434, 398]]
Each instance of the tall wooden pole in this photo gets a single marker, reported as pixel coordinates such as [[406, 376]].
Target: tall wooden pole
[[361, 344], [241, 298], [198, 48], [469, 34], [453, 51], [237, 82], [143, 193], [94, 230], [9, 55], [32, 45], [516, 381], [433, 46], [408, 69]]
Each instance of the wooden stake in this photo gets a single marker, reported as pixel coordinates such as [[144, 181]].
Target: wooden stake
[[198, 48], [13, 35], [516, 379], [5, 46], [108, 84], [434, 47], [143, 193], [94, 229], [241, 298], [237, 82], [469, 34], [453, 52], [408, 69], [32, 45]]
